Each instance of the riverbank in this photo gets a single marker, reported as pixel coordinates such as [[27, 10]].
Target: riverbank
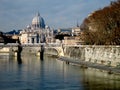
[[87, 64]]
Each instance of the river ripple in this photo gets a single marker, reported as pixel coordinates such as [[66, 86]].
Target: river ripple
[[52, 74]]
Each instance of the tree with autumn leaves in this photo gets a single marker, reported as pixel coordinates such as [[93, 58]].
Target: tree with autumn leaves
[[102, 27]]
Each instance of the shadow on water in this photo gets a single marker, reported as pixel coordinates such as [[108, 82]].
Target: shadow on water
[[19, 60], [42, 52], [19, 54]]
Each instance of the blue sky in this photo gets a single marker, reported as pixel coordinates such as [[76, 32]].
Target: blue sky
[[17, 14]]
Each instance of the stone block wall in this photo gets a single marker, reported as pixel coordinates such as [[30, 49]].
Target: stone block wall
[[107, 55]]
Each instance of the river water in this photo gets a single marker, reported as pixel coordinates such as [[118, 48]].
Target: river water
[[52, 74]]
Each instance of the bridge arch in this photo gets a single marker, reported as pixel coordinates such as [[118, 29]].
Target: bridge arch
[[58, 51]]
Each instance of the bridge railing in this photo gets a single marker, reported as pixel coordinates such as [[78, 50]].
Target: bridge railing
[[30, 44], [53, 44], [72, 45], [8, 44], [33, 44]]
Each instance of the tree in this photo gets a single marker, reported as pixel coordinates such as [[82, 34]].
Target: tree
[[103, 26]]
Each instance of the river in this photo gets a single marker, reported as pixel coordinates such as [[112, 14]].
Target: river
[[52, 74]]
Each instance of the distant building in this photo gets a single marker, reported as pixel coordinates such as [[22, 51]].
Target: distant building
[[64, 31], [1, 40], [74, 38], [76, 31], [7, 38], [37, 32]]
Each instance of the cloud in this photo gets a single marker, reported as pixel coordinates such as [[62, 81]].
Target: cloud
[[16, 14]]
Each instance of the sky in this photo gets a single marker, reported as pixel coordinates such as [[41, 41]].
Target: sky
[[18, 14]]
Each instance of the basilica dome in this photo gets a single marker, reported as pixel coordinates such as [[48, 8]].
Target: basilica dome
[[38, 22]]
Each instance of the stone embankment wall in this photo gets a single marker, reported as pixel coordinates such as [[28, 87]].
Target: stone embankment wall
[[107, 55]]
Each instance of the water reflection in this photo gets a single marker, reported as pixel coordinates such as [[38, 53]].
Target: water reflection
[[52, 74], [98, 80]]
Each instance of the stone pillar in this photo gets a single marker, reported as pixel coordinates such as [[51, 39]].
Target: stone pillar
[[19, 54], [42, 52]]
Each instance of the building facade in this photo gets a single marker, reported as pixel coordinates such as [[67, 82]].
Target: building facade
[[37, 32]]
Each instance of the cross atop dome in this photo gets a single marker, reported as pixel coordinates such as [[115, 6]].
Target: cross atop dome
[[38, 14]]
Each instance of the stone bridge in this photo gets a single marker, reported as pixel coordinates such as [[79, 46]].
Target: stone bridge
[[106, 55], [8, 49], [57, 51], [50, 49]]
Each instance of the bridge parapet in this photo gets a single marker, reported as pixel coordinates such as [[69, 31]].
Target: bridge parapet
[[9, 45], [50, 48], [53, 45]]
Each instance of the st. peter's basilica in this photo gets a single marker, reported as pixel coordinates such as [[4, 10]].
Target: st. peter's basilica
[[37, 32]]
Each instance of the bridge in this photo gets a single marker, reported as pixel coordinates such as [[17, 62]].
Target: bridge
[[50, 48]]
